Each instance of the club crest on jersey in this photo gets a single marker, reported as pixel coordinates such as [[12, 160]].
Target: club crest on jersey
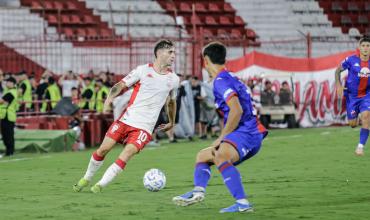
[[149, 75], [364, 72], [353, 112]]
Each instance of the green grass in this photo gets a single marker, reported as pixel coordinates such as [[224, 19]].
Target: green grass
[[298, 174]]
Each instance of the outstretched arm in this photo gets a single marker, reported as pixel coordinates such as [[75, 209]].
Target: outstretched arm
[[114, 92]]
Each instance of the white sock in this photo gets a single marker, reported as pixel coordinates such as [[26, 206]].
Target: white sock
[[109, 175], [242, 201], [361, 146], [94, 166], [199, 189]]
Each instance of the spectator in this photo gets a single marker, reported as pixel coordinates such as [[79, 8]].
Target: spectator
[[88, 95], [197, 96], [24, 91], [180, 93], [102, 92], [267, 95], [75, 96], [8, 115], [52, 95], [68, 81], [285, 94], [42, 86]]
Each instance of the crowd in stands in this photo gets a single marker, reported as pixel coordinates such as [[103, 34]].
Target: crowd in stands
[[88, 92]]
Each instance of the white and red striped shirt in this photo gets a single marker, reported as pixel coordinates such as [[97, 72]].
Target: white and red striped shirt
[[151, 90]]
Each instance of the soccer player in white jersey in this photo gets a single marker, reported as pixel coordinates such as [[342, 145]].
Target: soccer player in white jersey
[[152, 84]]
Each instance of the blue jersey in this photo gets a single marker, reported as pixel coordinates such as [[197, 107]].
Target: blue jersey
[[358, 81], [226, 86]]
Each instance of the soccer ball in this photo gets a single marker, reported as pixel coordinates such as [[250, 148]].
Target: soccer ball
[[154, 180]]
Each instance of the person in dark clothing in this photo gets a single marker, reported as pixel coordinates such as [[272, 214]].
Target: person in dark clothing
[[285, 94], [197, 89], [268, 95], [8, 115], [180, 93]]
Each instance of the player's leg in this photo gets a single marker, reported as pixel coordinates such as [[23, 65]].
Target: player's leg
[[136, 140], [202, 174], [96, 161], [225, 156], [364, 132], [116, 168]]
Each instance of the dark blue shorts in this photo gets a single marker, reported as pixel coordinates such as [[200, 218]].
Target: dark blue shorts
[[356, 105], [245, 143]]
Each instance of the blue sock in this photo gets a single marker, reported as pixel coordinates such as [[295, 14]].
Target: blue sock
[[202, 174], [364, 134], [232, 180]]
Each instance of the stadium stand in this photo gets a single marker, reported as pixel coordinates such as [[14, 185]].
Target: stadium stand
[[217, 18], [276, 21], [71, 18], [137, 19], [348, 14]]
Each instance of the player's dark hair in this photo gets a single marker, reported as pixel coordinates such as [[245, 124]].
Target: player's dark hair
[[364, 39], [162, 44], [216, 52]]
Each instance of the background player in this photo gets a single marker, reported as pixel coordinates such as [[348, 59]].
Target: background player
[[357, 90], [240, 139], [152, 84]]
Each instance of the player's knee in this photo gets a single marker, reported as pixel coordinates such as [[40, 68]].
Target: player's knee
[[102, 151], [220, 157]]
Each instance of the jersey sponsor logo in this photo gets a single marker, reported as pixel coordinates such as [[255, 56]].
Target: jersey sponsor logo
[[114, 128], [364, 73], [227, 92], [356, 64], [353, 112]]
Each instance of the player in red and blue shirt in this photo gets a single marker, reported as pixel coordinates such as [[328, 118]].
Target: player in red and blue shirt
[[240, 139], [357, 90]]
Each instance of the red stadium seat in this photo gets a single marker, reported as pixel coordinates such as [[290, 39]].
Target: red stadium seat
[[200, 7], [224, 20], [71, 6], [210, 20], [75, 19], [65, 19], [88, 19], [367, 6], [68, 32], [222, 33], [346, 20], [58, 6], [81, 32], [228, 8], [48, 5], [92, 33], [235, 33], [170, 7], [363, 19], [251, 34], [213, 7], [353, 7], [238, 20], [207, 33], [105, 33], [35, 5], [52, 19], [185, 7], [195, 20]]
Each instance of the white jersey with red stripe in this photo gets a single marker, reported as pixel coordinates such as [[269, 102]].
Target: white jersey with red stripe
[[151, 90]]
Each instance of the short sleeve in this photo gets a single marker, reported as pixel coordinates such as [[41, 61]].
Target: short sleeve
[[346, 64], [223, 88], [8, 98], [132, 77]]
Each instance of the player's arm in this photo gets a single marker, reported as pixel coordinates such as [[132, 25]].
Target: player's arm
[[234, 117], [338, 83], [114, 92], [171, 110], [338, 71]]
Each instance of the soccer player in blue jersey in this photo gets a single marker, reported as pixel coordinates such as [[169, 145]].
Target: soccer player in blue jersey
[[240, 139], [357, 90]]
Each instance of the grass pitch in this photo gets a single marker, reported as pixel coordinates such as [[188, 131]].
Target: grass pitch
[[298, 174]]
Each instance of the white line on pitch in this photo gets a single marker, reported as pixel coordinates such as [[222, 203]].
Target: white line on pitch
[[22, 159]]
